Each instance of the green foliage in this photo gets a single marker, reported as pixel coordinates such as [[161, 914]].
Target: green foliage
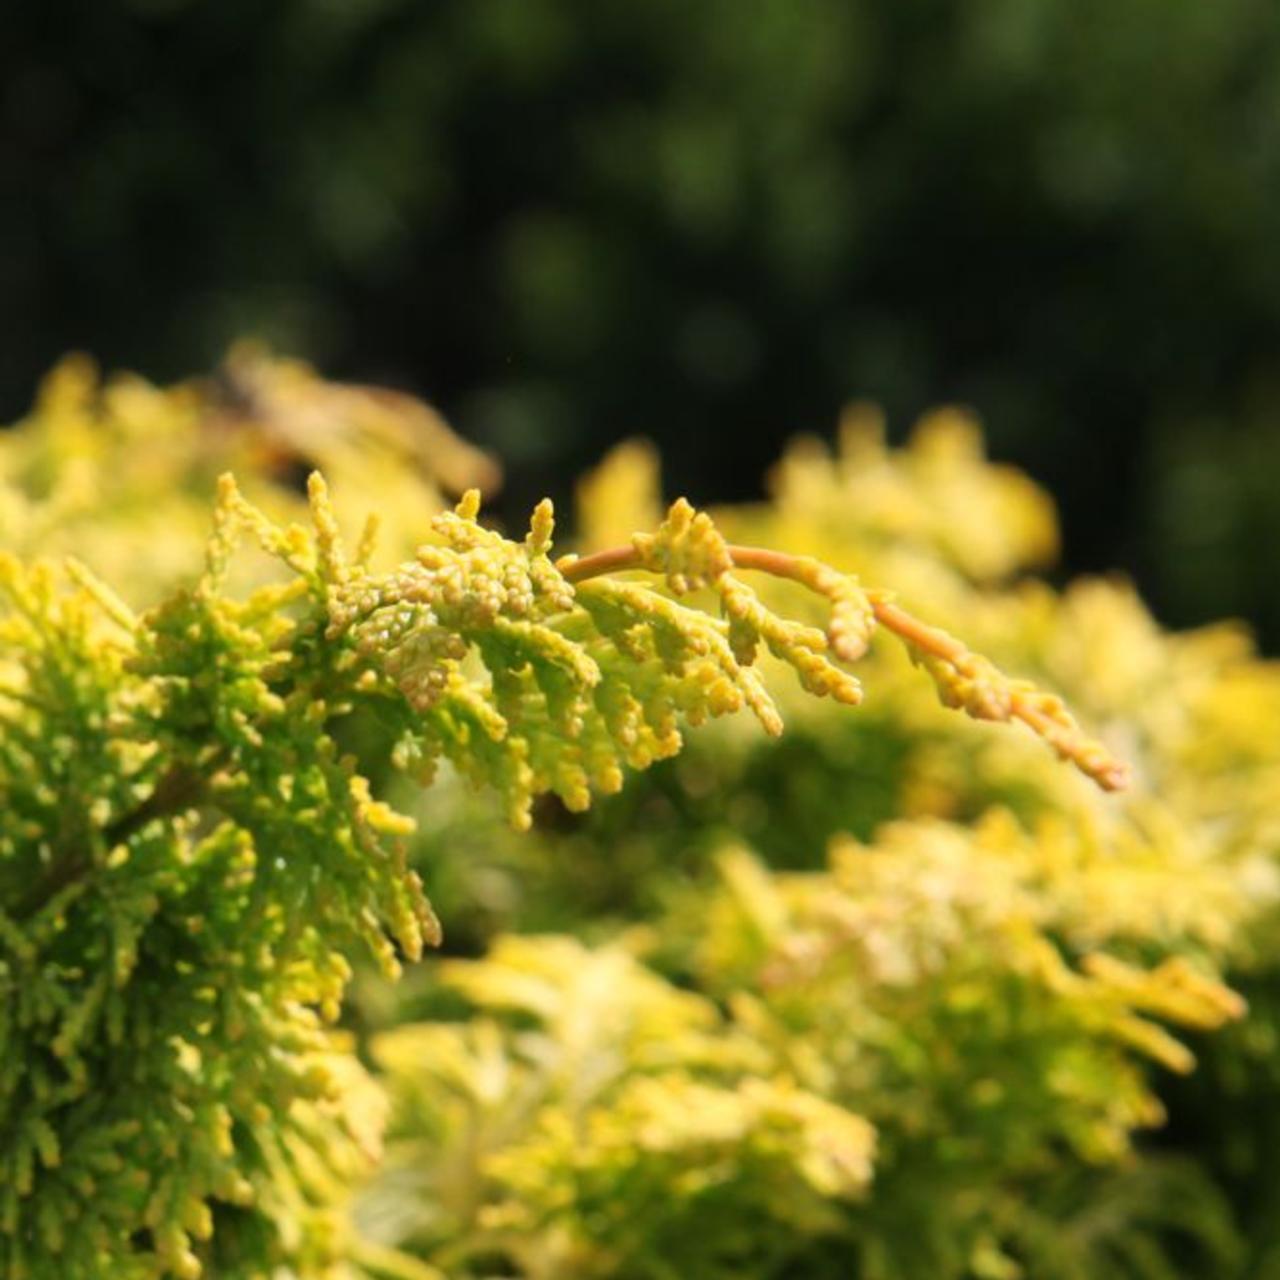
[[909, 984], [120, 473], [184, 853], [898, 997], [188, 858], [595, 1120], [909, 1071]]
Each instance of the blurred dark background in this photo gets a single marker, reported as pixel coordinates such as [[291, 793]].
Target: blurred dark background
[[568, 221]]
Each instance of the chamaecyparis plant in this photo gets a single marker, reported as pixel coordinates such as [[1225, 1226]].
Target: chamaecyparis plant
[[1182, 872], [188, 858], [120, 472], [887, 1069]]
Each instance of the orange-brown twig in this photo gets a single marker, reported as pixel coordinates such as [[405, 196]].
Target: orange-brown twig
[[1043, 713]]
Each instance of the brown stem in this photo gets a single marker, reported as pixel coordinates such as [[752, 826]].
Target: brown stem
[[177, 790], [919, 635], [579, 568], [1066, 738], [779, 564]]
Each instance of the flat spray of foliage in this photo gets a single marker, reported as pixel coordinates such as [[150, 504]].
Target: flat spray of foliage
[[976, 953], [120, 473], [187, 858], [925, 1050]]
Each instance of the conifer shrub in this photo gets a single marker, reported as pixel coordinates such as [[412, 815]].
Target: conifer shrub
[[1175, 880], [896, 996]]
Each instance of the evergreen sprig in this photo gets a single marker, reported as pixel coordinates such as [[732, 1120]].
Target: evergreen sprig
[[187, 858]]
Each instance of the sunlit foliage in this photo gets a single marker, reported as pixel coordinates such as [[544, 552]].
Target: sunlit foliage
[[897, 996], [909, 963]]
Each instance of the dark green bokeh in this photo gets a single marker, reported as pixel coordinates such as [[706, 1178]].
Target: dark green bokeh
[[572, 220]]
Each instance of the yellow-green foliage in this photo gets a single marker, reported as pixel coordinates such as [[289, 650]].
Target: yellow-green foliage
[[590, 1091], [984, 983], [910, 1071], [187, 857], [120, 473], [1189, 713], [1191, 844], [927, 1043]]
